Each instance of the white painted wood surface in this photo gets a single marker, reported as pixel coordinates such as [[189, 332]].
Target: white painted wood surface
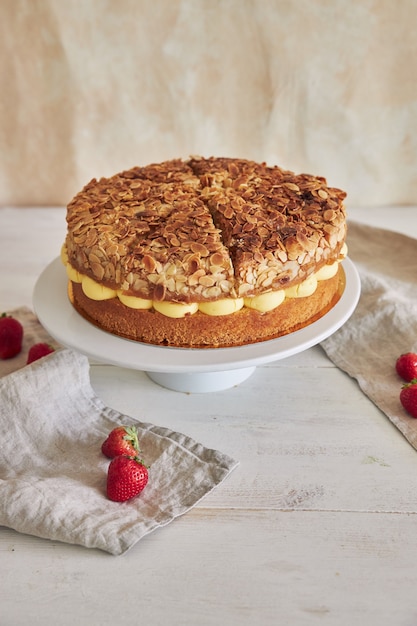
[[317, 525]]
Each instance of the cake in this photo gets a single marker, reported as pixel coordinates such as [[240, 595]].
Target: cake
[[205, 252]]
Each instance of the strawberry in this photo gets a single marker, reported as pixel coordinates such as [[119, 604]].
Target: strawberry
[[408, 397], [11, 335], [406, 366], [122, 440], [127, 476], [37, 351]]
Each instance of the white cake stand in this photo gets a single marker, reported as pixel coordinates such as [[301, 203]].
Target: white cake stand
[[180, 369]]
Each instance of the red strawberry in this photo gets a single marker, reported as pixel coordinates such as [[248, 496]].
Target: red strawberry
[[11, 335], [37, 351], [121, 440], [406, 366], [408, 397], [126, 477]]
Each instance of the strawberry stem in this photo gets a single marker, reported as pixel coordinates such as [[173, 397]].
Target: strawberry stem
[[409, 384], [132, 436]]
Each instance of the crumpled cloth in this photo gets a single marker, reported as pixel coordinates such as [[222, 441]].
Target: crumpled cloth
[[384, 324], [53, 473]]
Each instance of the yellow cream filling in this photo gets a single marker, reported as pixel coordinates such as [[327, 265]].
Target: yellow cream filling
[[73, 274], [266, 301], [95, 291], [327, 271], [226, 306], [175, 309], [133, 302], [304, 289]]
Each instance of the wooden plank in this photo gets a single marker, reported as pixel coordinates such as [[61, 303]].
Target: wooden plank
[[225, 567]]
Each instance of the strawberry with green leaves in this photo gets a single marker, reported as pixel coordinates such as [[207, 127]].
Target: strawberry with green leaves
[[126, 477], [122, 440], [11, 336]]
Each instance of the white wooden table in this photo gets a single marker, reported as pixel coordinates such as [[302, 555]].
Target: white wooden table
[[317, 525]]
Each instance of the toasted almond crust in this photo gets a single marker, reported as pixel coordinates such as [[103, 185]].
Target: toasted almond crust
[[204, 229], [202, 331]]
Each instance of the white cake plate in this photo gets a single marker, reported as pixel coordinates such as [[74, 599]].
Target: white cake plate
[[180, 369]]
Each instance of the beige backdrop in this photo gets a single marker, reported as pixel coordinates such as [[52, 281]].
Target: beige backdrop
[[90, 87]]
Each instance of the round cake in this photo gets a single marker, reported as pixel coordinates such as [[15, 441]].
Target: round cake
[[206, 252]]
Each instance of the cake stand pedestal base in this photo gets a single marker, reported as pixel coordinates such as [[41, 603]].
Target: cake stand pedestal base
[[202, 382]]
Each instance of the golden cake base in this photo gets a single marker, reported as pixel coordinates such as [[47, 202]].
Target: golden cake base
[[244, 327]]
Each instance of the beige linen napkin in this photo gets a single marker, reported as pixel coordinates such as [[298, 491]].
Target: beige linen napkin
[[384, 324], [53, 474]]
